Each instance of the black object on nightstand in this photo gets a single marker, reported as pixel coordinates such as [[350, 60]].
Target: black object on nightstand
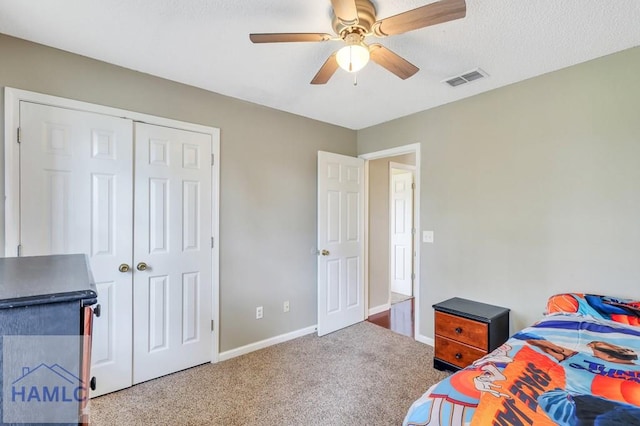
[[466, 330]]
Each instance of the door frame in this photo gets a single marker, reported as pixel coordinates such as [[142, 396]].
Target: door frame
[[12, 99], [392, 152], [408, 168]]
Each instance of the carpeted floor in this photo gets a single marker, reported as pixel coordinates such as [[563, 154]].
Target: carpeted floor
[[362, 375], [397, 298]]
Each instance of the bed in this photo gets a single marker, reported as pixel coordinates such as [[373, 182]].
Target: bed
[[578, 365]]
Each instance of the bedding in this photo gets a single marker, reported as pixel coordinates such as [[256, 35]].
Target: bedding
[[578, 365]]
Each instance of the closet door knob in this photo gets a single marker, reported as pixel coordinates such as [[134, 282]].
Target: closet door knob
[[124, 268], [141, 266]]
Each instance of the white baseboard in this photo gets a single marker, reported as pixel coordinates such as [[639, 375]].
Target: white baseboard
[[424, 339], [378, 309], [266, 343]]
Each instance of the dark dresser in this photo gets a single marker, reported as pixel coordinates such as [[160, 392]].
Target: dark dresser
[[45, 338], [466, 330]]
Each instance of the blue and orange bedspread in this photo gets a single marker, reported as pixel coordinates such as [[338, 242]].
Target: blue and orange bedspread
[[577, 366]]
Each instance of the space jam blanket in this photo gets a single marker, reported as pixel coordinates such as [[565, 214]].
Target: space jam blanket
[[577, 366]]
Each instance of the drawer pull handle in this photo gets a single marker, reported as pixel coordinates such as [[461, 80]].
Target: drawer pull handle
[[458, 355], [458, 330]]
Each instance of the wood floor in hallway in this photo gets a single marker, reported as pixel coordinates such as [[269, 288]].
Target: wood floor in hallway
[[398, 319]]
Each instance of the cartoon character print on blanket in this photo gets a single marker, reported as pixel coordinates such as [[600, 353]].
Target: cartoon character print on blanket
[[567, 369], [624, 311], [578, 384], [455, 399]]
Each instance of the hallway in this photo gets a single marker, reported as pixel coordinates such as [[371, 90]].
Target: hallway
[[398, 319]]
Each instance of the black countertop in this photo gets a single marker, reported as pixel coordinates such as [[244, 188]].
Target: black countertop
[[36, 280]]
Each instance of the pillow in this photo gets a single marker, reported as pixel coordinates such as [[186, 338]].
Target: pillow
[[624, 311]]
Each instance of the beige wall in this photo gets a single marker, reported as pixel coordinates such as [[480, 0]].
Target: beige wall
[[268, 179], [379, 227], [531, 189]]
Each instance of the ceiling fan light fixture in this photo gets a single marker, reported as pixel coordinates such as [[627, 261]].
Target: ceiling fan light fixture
[[353, 57], [355, 20]]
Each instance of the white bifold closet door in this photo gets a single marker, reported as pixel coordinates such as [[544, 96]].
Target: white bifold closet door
[[76, 197], [77, 192], [172, 234]]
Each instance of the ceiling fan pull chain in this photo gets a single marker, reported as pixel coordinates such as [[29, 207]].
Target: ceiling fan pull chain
[[355, 78], [350, 59]]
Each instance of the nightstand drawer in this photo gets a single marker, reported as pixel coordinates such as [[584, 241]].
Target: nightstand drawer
[[456, 353], [463, 330]]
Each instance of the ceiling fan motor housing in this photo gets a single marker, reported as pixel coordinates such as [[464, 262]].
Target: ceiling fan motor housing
[[366, 19]]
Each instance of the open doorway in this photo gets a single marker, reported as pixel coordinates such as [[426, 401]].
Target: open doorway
[[392, 275]]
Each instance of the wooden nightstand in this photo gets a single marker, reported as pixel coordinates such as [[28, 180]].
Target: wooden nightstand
[[466, 331]]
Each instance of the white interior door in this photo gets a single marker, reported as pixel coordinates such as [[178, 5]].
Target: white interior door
[[76, 197], [173, 237], [401, 215], [340, 241]]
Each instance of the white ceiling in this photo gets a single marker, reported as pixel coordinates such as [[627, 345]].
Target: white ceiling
[[205, 43]]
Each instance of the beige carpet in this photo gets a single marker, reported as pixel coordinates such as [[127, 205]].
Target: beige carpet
[[362, 375], [397, 298]]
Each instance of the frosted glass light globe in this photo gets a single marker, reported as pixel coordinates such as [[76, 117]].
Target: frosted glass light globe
[[353, 58]]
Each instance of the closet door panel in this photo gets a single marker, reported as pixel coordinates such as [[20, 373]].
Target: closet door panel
[[172, 250], [76, 197]]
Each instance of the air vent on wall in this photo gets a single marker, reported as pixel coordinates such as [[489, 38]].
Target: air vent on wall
[[466, 77]]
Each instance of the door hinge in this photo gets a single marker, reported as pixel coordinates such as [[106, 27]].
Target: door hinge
[[212, 325], [212, 242], [413, 276], [413, 186], [212, 159], [19, 135], [19, 250], [413, 231]]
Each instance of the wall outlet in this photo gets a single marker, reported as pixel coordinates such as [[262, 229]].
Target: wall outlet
[[427, 236], [259, 312], [285, 306]]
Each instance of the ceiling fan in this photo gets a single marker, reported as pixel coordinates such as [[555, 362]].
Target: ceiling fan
[[356, 19]]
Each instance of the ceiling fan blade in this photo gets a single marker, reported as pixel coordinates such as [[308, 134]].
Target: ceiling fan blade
[[288, 37], [431, 14], [392, 62], [346, 11], [326, 71]]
